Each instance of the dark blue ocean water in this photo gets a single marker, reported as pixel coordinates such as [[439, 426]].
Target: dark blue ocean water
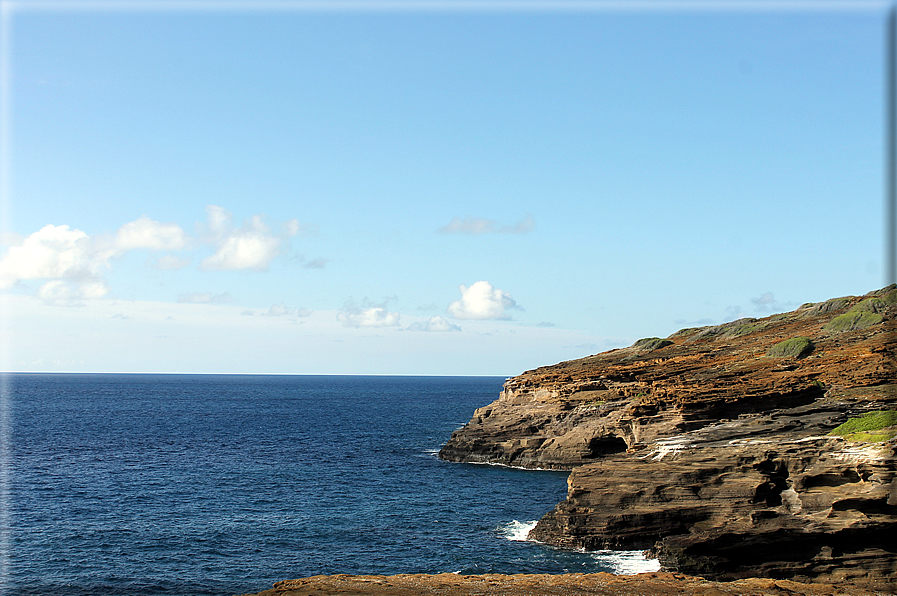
[[207, 484]]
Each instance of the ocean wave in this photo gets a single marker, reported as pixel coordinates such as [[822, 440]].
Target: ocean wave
[[509, 467], [517, 531], [626, 562]]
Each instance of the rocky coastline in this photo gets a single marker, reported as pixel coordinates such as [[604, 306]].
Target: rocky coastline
[[714, 450]]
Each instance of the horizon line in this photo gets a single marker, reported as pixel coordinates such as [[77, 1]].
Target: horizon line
[[278, 374]]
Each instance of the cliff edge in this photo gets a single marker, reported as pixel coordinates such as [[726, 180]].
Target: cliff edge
[[714, 447]]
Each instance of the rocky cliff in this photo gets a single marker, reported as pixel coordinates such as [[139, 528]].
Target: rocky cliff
[[712, 447]]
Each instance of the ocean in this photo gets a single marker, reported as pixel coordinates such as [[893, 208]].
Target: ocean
[[127, 484]]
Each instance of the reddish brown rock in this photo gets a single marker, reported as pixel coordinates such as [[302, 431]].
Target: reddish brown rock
[[597, 584], [710, 446]]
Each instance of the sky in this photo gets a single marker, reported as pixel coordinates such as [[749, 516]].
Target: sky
[[435, 189]]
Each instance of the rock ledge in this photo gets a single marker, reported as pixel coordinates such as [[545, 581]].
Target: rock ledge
[[597, 584]]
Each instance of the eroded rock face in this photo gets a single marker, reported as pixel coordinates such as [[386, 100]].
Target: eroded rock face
[[714, 454]]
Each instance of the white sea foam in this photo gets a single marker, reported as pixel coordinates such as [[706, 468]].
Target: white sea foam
[[498, 465], [621, 562], [627, 562], [516, 530]]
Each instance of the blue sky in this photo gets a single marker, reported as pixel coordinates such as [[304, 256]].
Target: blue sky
[[388, 190]]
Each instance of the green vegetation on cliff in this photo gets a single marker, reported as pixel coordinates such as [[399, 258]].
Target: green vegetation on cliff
[[872, 427], [853, 320], [876, 304], [791, 348], [863, 314]]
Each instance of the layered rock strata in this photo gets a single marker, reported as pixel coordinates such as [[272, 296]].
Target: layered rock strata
[[711, 446]]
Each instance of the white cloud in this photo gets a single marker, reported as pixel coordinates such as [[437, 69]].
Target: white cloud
[[10, 239], [475, 226], [734, 312], [60, 293], [294, 227], [523, 226], [75, 262], [367, 315], [55, 252], [468, 225], [219, 220], [282, 310], [205, 298], [147, 233], [252, 246], [435, 324], [318, 263], [765, 302], [482, 301], [589, 347]]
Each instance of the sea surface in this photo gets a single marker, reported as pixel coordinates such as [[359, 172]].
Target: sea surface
[[225, 484]]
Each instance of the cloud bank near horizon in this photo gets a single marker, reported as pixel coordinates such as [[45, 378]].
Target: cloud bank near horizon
[[73, 264]]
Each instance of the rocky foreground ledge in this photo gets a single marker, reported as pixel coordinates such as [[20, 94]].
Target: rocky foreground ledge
[[596, 584], [712, 447]]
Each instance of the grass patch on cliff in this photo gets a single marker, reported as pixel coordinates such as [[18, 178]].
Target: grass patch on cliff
[[853, 320], [872, 427], [791, 348], [863, 314], [876, 437], [876, 304]]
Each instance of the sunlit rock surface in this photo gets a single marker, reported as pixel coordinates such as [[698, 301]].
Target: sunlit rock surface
[[574, 584], [711, 446]]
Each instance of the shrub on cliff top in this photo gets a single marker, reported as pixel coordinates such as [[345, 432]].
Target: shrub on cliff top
[[651, 343], [876, 303], [791, 348], [871, 427], [852, 320]]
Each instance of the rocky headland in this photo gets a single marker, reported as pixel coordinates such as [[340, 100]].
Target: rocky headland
[[755, 457], [714, 448]]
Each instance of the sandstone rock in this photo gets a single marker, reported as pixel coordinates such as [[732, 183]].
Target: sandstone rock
[[574, 584], [714, 453]]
